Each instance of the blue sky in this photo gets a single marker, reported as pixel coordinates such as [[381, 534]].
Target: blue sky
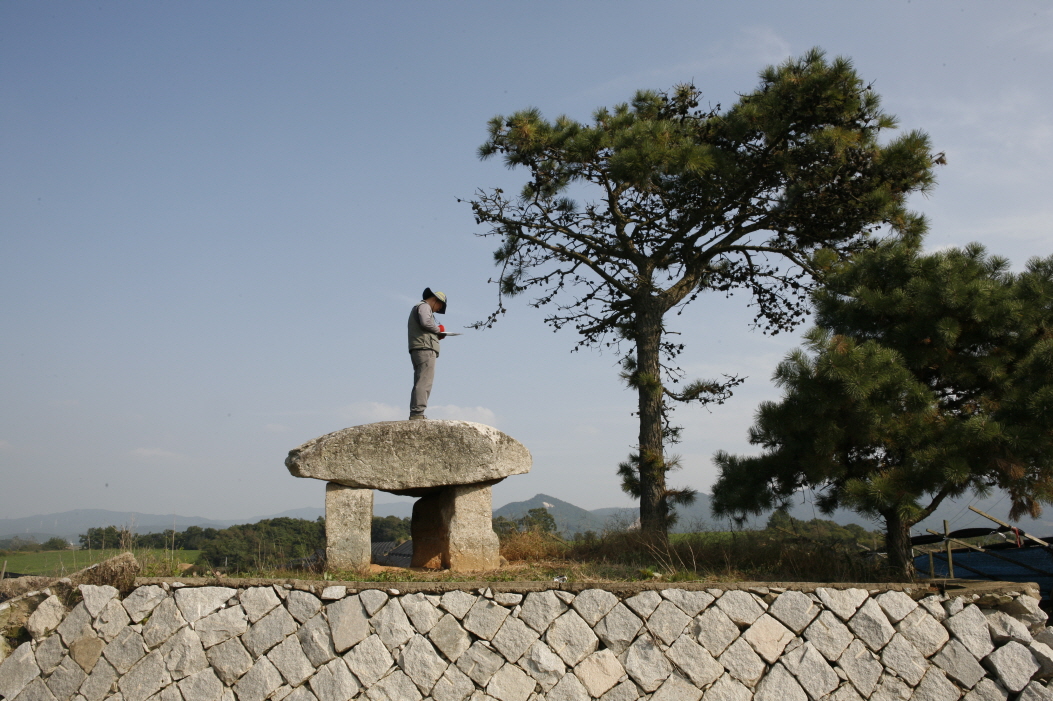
[[214, 218]]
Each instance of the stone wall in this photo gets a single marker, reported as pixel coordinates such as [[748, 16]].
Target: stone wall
[[307, 641]]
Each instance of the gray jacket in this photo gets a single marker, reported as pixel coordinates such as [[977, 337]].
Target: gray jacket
[[423, 331]]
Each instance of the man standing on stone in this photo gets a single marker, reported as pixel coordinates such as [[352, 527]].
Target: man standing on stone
[[424, 338]]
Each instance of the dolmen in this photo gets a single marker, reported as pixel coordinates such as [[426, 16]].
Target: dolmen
[[449, 466]]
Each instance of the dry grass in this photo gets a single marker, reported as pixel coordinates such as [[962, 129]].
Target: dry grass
[[730, 556], [533, 546], [628, 556]]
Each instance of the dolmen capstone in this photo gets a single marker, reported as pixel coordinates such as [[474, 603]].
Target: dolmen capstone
[[449, 465]]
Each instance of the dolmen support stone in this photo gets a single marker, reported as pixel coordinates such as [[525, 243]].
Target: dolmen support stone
[[449, 465]]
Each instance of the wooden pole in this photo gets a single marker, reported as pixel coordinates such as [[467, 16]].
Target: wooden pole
[[932, 567], [1003, 523], [950, 560]]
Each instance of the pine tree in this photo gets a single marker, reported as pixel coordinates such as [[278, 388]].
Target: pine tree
[[926, 377], [687, 201]]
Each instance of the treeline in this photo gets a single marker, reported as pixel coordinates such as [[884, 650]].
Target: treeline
[[28, 545], [109, 537], [782, 525], [537, 520], [269, 544]]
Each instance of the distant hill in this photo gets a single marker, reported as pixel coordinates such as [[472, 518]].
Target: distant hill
[[402, 509], [569, 519], [956, 512], [70, 524]]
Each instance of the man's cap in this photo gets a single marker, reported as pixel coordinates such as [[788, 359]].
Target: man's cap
[[441, 296]]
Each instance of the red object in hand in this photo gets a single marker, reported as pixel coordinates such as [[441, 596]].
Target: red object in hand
[[441, 328]]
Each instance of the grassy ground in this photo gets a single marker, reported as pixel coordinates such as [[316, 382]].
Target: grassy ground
[[58, 563]]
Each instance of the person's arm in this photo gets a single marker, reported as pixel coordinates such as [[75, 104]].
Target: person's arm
[[427, 319]]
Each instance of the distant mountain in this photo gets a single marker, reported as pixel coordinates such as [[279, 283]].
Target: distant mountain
[[70, 524], [309, 513], [569, 519], [956, 512], [402, 509]]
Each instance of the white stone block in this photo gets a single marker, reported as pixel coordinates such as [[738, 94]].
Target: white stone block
[[871, 625], [510, 683], [1013, 664], [861, 667], [540, 608], [676, 688], [728, 689], [1004, 628], [988, 690], [599, 672], [842, 602], [619, 627], [779, 685], [369, 660], [514, 639], [740, 607], [768, 637], [646, 664], [543, 665], [935, 687], [895, 604], [794, 609], [829, 635], [392, 625], [571, 638], [257, 602], [959, 664], [715, 631], [421, 663], [742, 662], [667, 622], [197, 602], [289, 659], [903, 658], [969, 626], [594, 604], [644, 603], [97, 597], [690, 602], [458, 603], [695, 661], [923, 631], [812, 670]]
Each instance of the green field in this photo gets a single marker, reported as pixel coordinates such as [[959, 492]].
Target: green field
[[57, 563]]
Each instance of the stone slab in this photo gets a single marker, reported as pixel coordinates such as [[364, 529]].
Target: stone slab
[[394, 456]]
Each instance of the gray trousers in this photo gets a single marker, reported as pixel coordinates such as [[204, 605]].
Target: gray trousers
[[423, 376]]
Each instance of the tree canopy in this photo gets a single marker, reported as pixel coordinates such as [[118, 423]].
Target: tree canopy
[[537, 520], [679, 200], [927, 376]]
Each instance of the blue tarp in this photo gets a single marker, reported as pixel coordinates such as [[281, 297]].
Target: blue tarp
[[969, 564]]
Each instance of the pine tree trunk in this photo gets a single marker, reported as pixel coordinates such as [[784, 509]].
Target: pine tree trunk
[[653, 506], [897, 546]]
